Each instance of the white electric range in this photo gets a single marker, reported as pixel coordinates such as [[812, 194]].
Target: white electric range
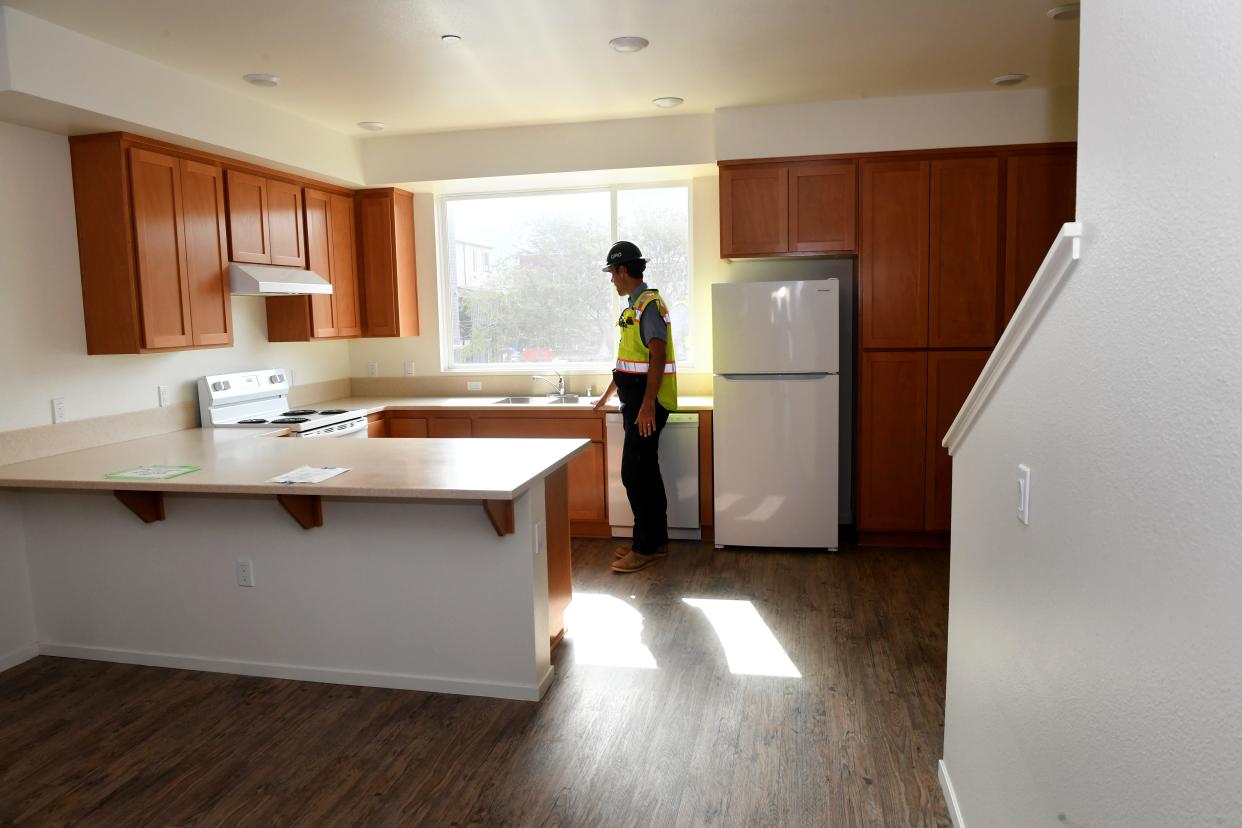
[[260, 399]]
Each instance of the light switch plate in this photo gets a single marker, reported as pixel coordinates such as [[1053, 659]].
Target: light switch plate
[[164, 399], [372, 369], [1024, 494], [58, 409], [409, 367], [474, 386], [541, 538]]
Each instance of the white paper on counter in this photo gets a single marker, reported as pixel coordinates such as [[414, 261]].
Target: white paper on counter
[[307, 474]]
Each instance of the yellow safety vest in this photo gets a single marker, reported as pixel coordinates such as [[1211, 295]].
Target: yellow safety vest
[[633, 357]]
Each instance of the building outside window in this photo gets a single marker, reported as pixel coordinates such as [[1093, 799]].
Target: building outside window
[[521, 280]]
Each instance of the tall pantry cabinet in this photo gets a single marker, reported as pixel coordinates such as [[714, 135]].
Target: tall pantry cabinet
[[948, 246]]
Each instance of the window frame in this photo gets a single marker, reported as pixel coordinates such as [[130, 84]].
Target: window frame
[[444, 277]]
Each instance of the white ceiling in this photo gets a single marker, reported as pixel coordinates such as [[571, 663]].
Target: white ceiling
[[543, 61]]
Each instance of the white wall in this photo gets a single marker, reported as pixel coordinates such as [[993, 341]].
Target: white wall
[[1095, 657], [42, 333], [57, 79], [964, 119], [17, 622]]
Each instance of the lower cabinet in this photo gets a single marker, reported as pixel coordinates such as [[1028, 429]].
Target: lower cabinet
[[908, 401], [407, 426], [448, 427]]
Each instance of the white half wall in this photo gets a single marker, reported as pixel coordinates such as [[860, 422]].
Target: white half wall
[[964, 119], [17, 622], [1095, 656], [42, 332]]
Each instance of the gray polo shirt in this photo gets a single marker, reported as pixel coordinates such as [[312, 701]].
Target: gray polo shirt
[[652, 325]]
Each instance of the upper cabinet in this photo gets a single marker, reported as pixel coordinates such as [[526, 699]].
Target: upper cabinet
[[331, 251], [387, 262], [152, 247], [965, 226], [788, 209], [265, 220], [893, 260]]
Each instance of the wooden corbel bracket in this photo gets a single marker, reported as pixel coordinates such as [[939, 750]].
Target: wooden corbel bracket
[[149, 506], [307, 510], [500, 513]]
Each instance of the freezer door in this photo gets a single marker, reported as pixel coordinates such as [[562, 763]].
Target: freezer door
[[776, 327], [775, 448]]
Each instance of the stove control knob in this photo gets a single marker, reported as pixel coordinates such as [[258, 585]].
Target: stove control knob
[[276, 378]]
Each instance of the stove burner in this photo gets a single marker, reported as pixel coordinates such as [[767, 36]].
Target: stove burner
[[297, 412], [333, 411], [251, 422], [291, 420]]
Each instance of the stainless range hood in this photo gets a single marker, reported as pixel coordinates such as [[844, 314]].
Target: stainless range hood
[[266, 280]]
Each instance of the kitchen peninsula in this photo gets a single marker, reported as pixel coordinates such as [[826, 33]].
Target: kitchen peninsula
[[439, 565]]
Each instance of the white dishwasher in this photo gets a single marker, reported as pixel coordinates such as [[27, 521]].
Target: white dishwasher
[[679, 466]]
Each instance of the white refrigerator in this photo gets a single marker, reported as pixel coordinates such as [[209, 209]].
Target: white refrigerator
[[775, 354]]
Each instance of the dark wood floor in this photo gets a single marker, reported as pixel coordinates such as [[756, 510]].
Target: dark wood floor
[[853, 741]]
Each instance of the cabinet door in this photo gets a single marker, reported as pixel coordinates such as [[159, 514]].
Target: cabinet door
[[206, 253], [448, 427], [823, 206], [377, 426], [892, 263], [1039, 198], [284, 224], [319, 259], [378, 253], [587, 486], [892, 440], [345, 311], [754, 211], [407, 427], [950, 376], [964, 268], [247, 217], [164, 289]]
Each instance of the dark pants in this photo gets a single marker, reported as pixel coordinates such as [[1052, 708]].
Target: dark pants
[[640, 467]]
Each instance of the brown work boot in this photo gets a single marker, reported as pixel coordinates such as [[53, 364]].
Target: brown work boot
[[636, 561], [621, 551]]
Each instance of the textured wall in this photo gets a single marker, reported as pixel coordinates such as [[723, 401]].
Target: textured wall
[[1095, 657]]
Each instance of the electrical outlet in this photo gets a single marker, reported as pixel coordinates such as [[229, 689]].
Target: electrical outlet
[[409, 367], [372, 369], [1024, 494], [474, 386], [164, 399], [58, 409], [245, 572]]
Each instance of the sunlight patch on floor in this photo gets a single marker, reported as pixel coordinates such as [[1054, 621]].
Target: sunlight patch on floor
[[749, 645], [606, 631]]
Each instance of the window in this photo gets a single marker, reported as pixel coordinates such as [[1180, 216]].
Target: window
[[521, 281]]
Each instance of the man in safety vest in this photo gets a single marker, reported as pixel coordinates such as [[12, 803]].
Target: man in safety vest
[[645, 379]]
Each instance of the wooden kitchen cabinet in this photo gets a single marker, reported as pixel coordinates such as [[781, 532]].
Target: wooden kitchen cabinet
[[965, 237], [331, 253], [152, 247], [892, 433], [264, 220], [387, 262], [893, 256], [449, 427], [823, 207], [788, 209], [407, 426], [754, 211], [1039, 197], [950, 376], [377, 425]]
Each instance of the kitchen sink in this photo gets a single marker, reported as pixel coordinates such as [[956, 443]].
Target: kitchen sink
[[568, 399]]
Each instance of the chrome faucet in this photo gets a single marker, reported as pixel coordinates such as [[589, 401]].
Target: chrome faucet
[[559, 385]]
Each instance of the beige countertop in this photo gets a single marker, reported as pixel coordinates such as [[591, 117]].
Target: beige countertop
[[240, 461], [376, 404]]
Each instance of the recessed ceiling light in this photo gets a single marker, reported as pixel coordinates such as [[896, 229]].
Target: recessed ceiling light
[[261, 79], [1012, 79], [629, 43], [669, 102], [1069, 11], [450, 38], [372, 126]]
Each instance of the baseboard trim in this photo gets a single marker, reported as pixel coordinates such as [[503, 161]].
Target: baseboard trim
[[297, 672], [19, 656], [950, 796]]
